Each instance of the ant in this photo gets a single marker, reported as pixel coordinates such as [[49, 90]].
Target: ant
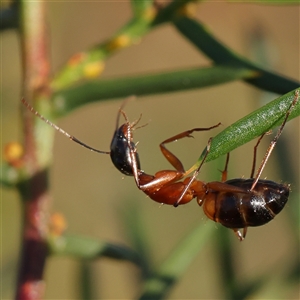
[[120, 153], [236, 203]]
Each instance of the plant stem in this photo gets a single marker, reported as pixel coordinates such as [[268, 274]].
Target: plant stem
[[33, 191]]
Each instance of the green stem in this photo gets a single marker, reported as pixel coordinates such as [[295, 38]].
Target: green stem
[[90, 63], [96, 90], [200, 36], [85, 248]]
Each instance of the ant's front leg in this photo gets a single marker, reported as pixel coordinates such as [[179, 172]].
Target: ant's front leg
[[172, 159], [164, 186], [164, 177]]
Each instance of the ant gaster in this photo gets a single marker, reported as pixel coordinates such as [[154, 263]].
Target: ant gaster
[[236, 203], [120, 153]]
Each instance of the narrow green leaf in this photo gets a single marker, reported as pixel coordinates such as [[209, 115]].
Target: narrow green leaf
[[251, 126], [176, 263], [96, 90], [199, 35]]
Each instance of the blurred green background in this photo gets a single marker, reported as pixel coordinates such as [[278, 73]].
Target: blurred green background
[[92, 194]]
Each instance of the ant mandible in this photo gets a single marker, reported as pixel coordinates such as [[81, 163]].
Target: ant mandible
[[120, 153], [236, 203]]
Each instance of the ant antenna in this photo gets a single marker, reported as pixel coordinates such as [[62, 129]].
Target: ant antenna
[[121, 110], [274, 141], [71, 137]]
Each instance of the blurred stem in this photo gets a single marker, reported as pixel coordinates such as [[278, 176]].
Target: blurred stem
[[85, 248], [203, 39], [226, 260], [177, 262], [85, 280], [33, 191], [90, 63], [135, 229], [140, 6], [96, 90], [9, 17]]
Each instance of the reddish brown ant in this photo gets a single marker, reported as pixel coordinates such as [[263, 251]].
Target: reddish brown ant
[[119, 151], [236, 203]]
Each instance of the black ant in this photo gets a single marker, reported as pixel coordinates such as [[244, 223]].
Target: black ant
[[120, 153], [236, 203]]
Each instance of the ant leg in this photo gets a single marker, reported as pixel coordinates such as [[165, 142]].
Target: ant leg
[[274, 141], [224, 172], [172, 159], [133, 156], [162, 187], [195, 174], [245, 232], [254, 155], [238, 233]]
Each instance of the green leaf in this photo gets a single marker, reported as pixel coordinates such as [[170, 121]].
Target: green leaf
[[96, 90], [251, 126]]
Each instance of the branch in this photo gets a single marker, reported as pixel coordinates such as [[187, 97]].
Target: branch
[[96, 90], [34, 190], [198, 34]]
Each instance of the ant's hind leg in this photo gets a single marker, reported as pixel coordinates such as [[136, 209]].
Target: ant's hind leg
[[254, 155], [275, 139], [224, 172], [238, 233]]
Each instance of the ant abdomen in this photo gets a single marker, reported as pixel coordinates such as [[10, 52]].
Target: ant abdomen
[[246, 208]]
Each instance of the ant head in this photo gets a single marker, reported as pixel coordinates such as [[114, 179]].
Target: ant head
[[123, 151], [130, 126]]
